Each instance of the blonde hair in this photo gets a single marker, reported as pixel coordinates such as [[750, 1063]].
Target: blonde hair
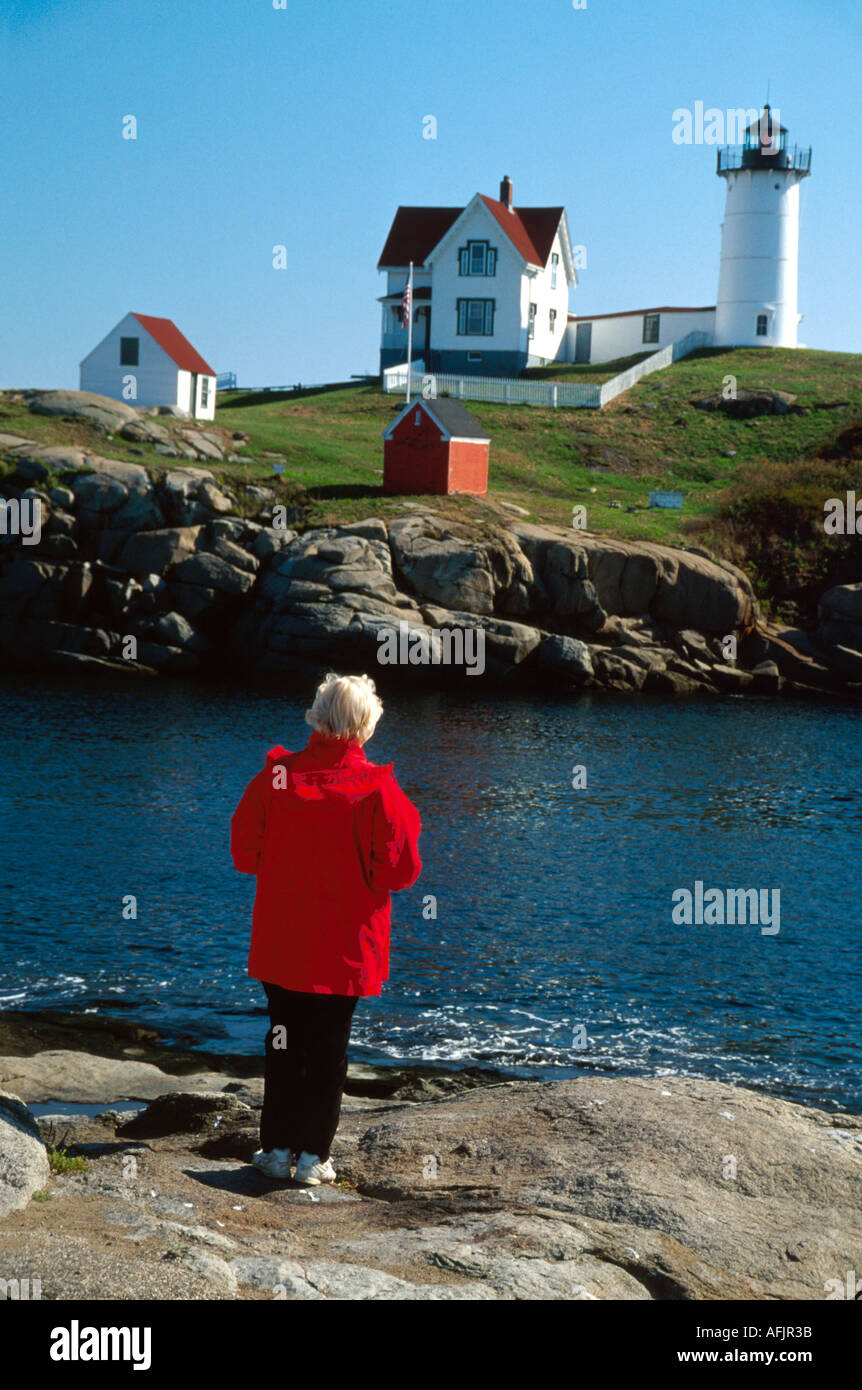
[[345, 707]]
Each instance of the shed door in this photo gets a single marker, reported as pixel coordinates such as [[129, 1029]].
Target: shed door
[[583, 341], [193, 394]]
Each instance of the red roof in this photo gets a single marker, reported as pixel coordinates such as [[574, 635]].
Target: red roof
[[530, 230], [178, 347], [414, 234], [415, 231], [631, 313]]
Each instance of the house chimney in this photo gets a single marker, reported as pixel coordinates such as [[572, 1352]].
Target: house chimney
[[506, 192]]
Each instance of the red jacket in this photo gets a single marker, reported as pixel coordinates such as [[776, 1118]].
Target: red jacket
[[329, 836]]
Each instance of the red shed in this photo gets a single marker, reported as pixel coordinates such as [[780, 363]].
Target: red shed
[[435, 446]]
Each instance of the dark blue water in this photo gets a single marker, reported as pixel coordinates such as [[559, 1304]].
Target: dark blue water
[[553, 904]]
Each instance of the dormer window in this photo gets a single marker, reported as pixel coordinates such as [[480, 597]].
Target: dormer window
[[477, 258]]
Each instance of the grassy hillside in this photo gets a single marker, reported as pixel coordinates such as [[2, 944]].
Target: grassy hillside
[[548, 461], [738, 477]]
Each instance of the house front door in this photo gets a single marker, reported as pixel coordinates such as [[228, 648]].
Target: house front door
[[583, 342], [193, 394]]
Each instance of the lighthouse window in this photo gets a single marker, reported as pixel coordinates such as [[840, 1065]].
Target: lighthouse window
[[651, 328], [761, 325]]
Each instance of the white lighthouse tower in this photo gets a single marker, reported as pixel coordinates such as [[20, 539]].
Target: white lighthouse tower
[[757, 282]]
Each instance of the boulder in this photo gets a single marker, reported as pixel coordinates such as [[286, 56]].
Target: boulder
[[22, 579], [566, 660], [744, 404], [205, 445], [141, 512], [212, 572], [213, 498], [47, 635], [83, 1077], [96, 493], [843, 603], [175, 631], [597, 1176], [373, 529], [103, 412], [615, 672], [231, 528], [187, 1112], [270, 540], [731, 679], [145, 430], [31, 470], [194, 601], [441, 567], [693, 592], [57, 458], [190, 496], [675, 587], [506, 643], [766, 678], [309, 626], [234, 554], [160, 657], [24, 1165], [153, 552]]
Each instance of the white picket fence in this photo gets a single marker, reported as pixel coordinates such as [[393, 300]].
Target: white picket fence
[[654, 363], [520, 391]]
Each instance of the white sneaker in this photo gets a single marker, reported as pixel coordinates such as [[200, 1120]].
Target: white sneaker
[[275, 1163], [311, 1172]]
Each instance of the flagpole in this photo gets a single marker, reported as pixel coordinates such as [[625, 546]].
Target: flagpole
[[409, 330]]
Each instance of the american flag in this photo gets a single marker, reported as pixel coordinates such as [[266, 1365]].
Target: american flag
[[407, 301]]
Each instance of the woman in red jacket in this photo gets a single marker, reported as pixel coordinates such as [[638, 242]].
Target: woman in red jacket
[[329, 836]]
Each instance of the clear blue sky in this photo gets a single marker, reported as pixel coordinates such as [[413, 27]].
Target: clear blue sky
[[303, 127]]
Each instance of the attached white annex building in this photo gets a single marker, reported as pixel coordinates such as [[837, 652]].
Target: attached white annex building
[[148, 361], [490, 306], [490, 286]]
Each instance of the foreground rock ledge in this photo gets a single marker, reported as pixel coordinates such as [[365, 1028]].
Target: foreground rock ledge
[[624, 1188]]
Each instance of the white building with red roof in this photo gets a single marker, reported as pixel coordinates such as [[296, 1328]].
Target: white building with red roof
[[147, 361], [491, 286]]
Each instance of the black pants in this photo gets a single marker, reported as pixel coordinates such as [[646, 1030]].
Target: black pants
[[306, 1067]]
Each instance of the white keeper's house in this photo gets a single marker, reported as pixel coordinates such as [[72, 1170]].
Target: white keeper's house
[[147, 361], [490, 286], [492, 281]]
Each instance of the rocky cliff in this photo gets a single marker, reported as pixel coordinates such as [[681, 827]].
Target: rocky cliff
[[176, 573]]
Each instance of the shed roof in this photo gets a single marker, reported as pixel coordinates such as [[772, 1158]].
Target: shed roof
[[453, 418], [174, 343]]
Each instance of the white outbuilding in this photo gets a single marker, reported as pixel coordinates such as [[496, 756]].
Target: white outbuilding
[[147, 361]]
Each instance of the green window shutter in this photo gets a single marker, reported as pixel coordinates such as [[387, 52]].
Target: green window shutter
[[464, 261], [489, 318], [491, 262], [462, 317]]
